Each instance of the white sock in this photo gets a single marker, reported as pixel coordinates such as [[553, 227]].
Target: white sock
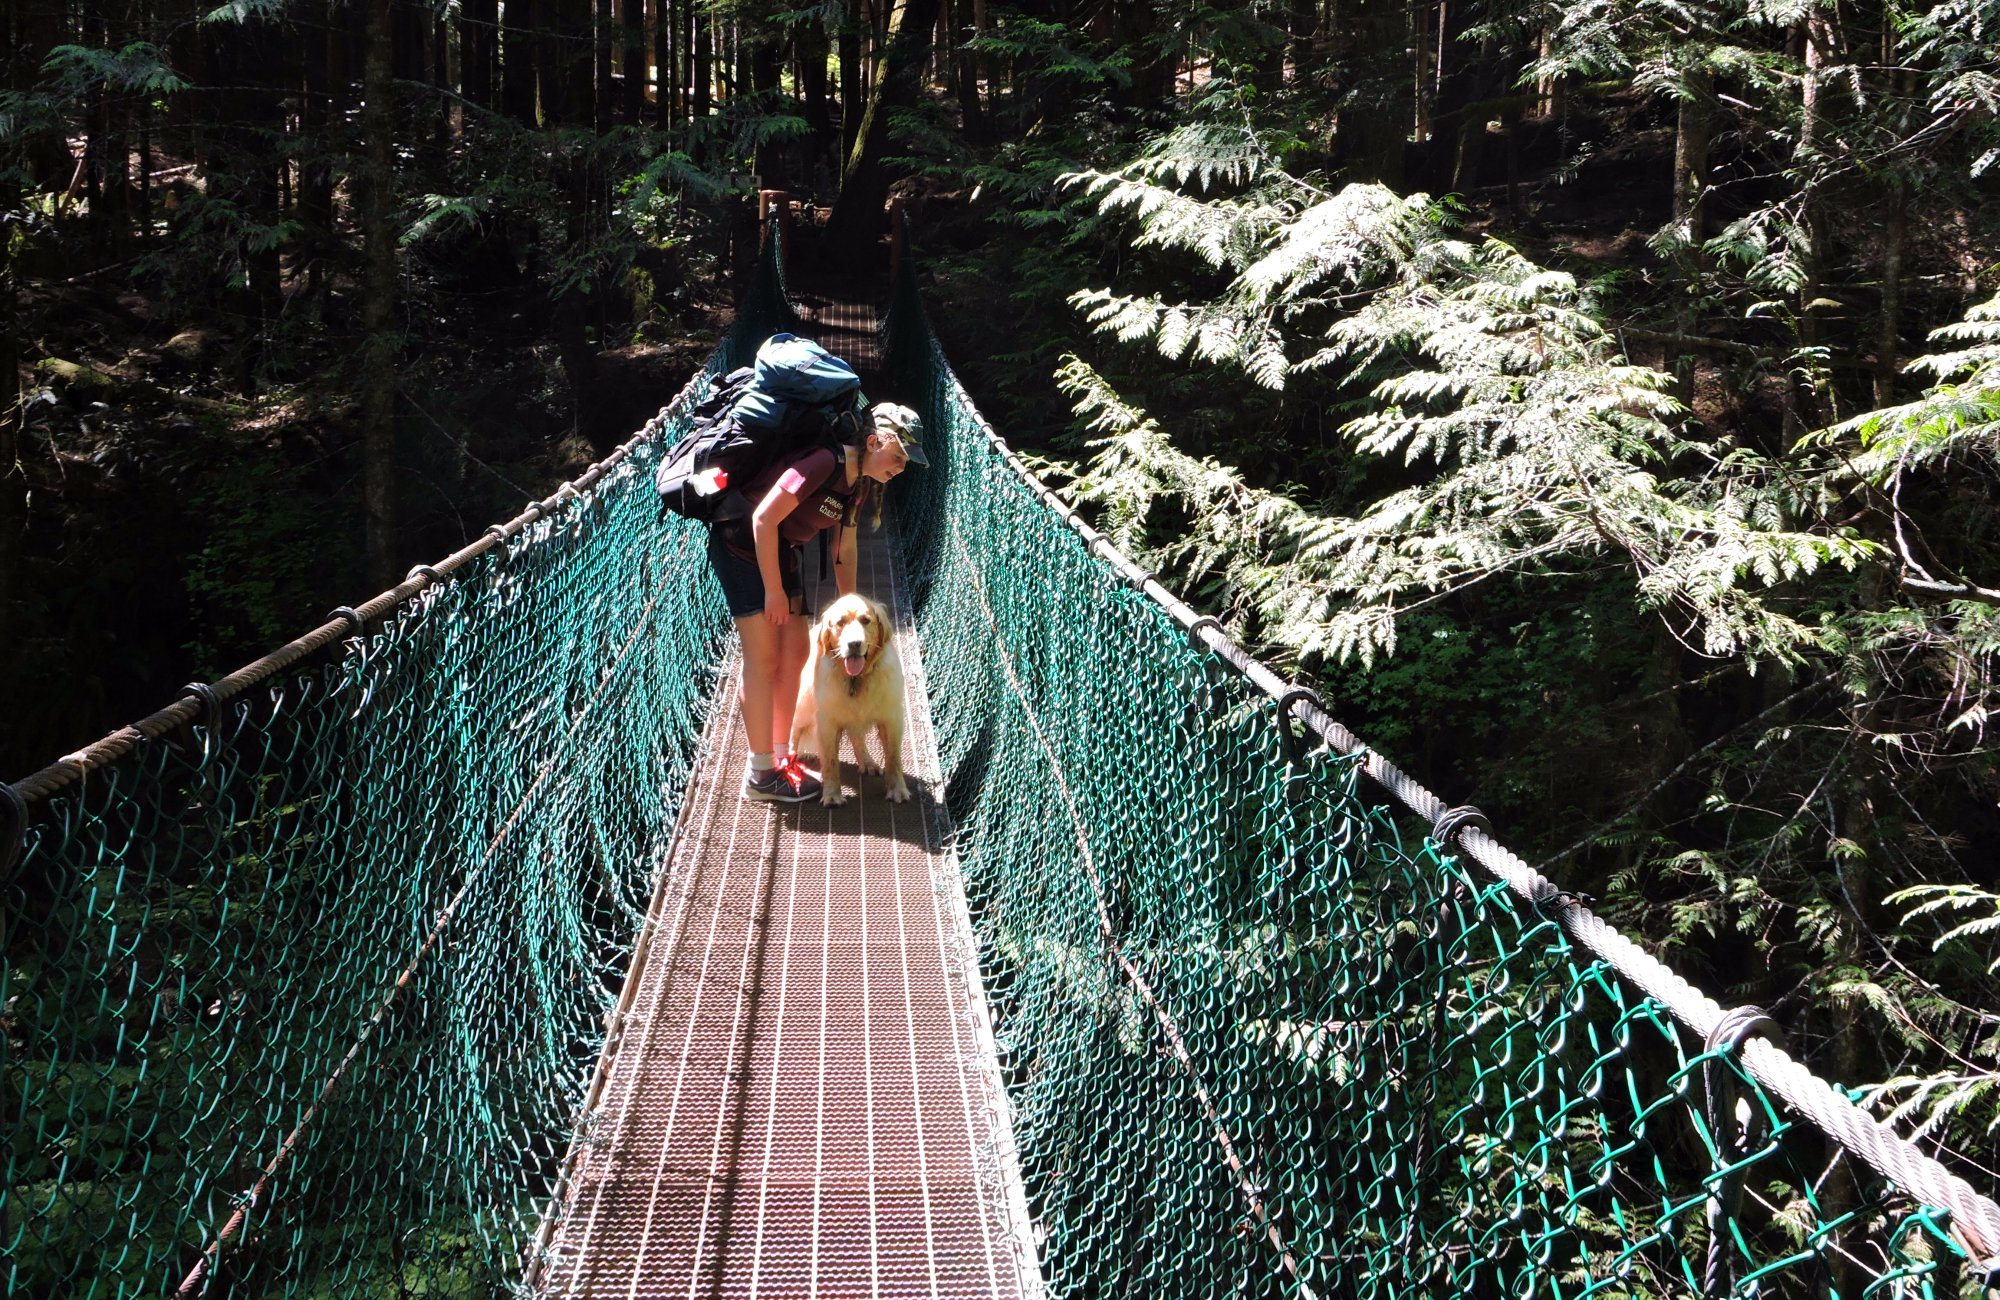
[[761, 764], [780, 753]]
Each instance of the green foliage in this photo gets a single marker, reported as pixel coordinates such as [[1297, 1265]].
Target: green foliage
[[78, 70], [1546, 446], [1057, 52], [1958, 417]]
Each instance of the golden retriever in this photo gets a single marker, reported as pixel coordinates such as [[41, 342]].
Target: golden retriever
[[852, 685]]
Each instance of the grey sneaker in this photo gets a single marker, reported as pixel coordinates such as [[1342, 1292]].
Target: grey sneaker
[[787, 783]]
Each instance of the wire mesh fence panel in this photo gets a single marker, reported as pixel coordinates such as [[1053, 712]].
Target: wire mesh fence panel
[[301, 998], [1264, 1037]]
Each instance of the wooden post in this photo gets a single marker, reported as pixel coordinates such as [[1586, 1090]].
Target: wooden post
[[769, 201]]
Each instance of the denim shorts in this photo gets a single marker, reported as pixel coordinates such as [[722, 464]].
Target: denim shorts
[[743, 585]]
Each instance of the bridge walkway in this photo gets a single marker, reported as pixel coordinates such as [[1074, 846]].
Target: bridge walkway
[[800, 1096]]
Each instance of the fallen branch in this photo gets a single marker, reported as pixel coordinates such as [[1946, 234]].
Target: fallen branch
[[84, 378]]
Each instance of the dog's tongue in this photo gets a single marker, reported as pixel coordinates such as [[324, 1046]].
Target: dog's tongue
[[854, 664]]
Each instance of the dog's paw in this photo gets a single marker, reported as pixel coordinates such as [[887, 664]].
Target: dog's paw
[[869, 767], [898, 793], [832, 798]]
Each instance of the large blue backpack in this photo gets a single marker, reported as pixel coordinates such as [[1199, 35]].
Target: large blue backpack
[[796, 397]]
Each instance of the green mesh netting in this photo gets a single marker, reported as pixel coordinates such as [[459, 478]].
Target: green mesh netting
[[204, 942], [362, 933], [1262, 1038]]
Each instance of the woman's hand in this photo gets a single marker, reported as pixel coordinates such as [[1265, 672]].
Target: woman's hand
[[777, 607]]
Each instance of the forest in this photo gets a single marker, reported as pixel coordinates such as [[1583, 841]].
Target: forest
[[1598, 402]]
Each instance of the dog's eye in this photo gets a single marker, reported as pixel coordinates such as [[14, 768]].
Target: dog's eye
[[866, 620]]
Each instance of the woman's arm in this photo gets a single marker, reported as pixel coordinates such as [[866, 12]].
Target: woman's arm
[[844, 564], [778, 503]]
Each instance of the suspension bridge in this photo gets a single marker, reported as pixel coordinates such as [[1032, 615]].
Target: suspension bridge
[[431, 955]]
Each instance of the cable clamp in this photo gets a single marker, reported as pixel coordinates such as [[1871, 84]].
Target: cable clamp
[[1293, 746], [205, 695], [1739, 1025], [14, 841], [498, 532], [1194, 631], [1549, 897], [427, 572], [1733, 1137], [353, 617], [1452, 822]]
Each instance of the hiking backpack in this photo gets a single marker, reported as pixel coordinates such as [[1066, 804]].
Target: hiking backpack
[[796, 397]]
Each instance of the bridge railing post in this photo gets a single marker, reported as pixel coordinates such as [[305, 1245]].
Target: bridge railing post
[[780, 202]]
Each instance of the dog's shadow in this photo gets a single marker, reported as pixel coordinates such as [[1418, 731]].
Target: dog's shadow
[[920, 821]]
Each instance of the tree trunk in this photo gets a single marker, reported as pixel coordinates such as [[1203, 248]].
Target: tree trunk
[[1370, 136], [19, 74], [518, 57], [743, 76], [704, 63], [851, 106], [1473, 114], [1809, 409], [976, 60], [378, 309], [566, 93], [864, 188], [407, 60], [812, 85], [1691, 140], [315, 207], [667, 59], [632, 61], [604, 99], [964, 70], [43, 25], [1302, 24], [766, 58], [1888, 329], [444, 106], [475, 51], [1692, 131]]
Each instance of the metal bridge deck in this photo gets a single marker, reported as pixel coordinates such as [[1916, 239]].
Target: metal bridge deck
[[801, 1098]]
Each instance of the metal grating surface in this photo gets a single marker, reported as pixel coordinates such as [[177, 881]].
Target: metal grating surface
[[802, 1098], [842, 325]]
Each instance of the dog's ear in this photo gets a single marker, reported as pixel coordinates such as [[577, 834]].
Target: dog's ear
[[829, 637], [878, 632]]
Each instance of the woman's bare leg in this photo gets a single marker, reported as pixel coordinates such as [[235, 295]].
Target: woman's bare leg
[[792, 644], [755, 693]]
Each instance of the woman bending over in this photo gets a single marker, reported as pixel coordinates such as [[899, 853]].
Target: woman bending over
[[759, 563]]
